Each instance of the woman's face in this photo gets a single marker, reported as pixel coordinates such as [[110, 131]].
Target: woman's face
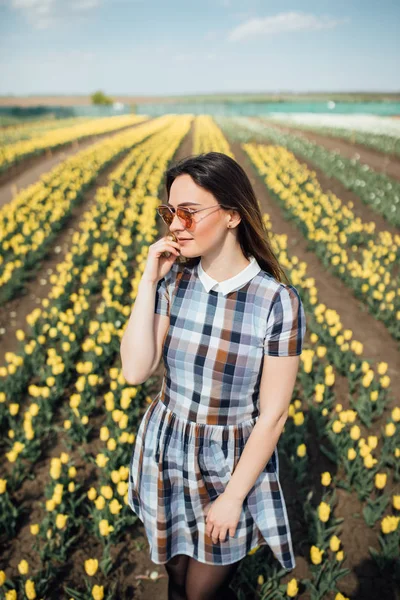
[[209, 227]]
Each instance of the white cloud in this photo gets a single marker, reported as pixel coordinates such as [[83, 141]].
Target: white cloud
[[282, 23], [43, 14]]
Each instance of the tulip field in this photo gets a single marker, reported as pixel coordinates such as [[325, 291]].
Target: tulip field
[[28, 142], [68, 417]]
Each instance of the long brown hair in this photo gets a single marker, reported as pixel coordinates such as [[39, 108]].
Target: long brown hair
[[221, 175]]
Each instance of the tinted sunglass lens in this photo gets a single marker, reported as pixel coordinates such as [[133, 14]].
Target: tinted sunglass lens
[[185, 216], [166, 215]]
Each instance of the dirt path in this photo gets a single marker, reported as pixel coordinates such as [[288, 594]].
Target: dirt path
[[388, 164], [29, 171]]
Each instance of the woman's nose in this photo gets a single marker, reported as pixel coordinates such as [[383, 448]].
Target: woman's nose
[[176, 219]]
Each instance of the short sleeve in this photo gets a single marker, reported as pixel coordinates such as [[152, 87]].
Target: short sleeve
[[164, 290], [161, 305], [286, 325]]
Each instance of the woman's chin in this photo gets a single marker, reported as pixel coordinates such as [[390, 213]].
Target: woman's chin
[[187, 251]]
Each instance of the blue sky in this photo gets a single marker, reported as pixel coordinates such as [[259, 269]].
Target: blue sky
[[149, 47]]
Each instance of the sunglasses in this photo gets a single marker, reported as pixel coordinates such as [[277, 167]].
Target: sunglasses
[[184, 214]]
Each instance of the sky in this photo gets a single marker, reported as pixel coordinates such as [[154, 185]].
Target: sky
[[159, 47]]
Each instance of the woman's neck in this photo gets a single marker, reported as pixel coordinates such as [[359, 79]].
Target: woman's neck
[[224, 267]]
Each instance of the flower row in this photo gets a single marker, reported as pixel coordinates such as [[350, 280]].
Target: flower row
[[12, 154], [26, 131]]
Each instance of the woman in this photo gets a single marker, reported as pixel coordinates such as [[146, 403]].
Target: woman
[[204, 471]]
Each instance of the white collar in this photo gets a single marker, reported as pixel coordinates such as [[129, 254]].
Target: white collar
[[231, 284]]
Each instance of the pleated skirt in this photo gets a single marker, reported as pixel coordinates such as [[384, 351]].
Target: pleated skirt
[[178, 467]]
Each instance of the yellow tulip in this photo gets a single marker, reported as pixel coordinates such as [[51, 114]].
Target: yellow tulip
[[98, 592], [292, 589], [326, 478], [100, 502], [380, 480], [30, 589], [301, 450], [324, 511], [105, 528], [337, 426], [389, 524], [101, 460], [370, 461], [61, 521], [91, 566], [351, 454], [14, 409], [316, 555], [115, 507], [298, 418], [396, 414], [92, 493], [334, 543], [23, 567], [355, 432], [390, 429], [107, 491]]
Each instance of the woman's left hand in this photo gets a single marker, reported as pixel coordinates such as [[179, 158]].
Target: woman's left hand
[[223, 516]]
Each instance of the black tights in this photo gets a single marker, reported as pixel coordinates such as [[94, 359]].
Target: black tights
[[190, 579]]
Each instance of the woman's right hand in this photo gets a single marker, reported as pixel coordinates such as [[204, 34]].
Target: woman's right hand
[[157, 266]]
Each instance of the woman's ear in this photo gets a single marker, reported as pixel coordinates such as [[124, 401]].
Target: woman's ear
[[235, 220]]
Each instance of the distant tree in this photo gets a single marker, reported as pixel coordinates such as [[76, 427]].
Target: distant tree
[[99, 97]]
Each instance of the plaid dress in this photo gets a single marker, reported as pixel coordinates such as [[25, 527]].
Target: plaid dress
[[193, 433]]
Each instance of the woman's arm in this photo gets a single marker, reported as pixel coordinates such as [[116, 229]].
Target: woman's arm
[[141, 343], [276, 389]]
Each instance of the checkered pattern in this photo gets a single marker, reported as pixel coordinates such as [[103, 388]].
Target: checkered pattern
[[193, 433]]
